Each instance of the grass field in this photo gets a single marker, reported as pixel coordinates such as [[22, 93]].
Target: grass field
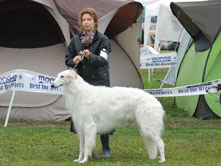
[[188, 141]]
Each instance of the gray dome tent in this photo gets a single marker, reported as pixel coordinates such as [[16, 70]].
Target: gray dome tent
[[35, 34]]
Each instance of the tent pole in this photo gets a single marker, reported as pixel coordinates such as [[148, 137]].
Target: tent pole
[[175, 74], [146, 28], [149, 75], [9, 108], [157, 42], [163, 81]]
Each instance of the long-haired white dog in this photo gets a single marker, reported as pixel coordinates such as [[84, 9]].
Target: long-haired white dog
[[215, 89], [99, 109]]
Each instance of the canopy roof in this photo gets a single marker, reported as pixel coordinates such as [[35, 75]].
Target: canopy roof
[[127, 14], [36, 25], [201, 19]]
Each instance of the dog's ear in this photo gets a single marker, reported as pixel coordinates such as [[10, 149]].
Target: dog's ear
[[219, 87], [72, 74]]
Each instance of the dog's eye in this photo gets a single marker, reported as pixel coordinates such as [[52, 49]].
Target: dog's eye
[[62, 76]]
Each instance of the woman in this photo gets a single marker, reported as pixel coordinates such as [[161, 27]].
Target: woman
[[88, 53]]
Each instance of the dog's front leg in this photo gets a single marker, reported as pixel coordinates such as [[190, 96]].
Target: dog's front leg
[[90, 141], [81, 153]]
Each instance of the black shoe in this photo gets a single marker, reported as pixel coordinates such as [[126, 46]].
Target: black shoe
[[105, 154]]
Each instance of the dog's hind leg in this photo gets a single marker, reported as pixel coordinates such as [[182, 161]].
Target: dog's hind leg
[[151, 148], [82, 144], [90, 141], [160, 146], [154, 143], [150, 130], [143, 120]]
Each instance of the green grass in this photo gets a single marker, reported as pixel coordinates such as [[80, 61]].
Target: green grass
[[188, 141], [56, 146]]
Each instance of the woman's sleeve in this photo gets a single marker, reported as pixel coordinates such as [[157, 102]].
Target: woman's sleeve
[[70, 55], [105, 49]]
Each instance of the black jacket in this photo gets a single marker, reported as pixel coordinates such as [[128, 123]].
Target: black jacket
[[95, 69]]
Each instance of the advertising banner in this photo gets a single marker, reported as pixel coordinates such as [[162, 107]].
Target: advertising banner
[[189, 90], [29, 81], [165, 60]]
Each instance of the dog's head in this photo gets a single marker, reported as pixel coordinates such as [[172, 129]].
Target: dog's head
[[64, 78], [215, 89]]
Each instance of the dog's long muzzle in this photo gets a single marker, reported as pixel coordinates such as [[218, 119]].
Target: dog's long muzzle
[[52, 85], [55, 86]]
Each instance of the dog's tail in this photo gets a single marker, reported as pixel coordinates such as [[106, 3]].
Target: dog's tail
[[150, 121]]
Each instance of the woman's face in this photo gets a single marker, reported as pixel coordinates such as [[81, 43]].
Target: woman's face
[[87, 23]]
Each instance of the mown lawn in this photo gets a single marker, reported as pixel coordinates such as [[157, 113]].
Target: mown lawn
[[188, 141], [187, 145]]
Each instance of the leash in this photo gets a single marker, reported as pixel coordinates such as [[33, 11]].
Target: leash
[[82, 57]]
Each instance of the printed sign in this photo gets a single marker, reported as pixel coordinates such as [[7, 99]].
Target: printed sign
[[197, 89], [24, 80], [164, 60]]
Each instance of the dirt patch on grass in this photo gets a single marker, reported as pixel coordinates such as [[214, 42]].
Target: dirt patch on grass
[[130, 124], [34, 124], [183, 124], [192, 124]]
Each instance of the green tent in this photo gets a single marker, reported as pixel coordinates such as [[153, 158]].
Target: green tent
[[202, 60]]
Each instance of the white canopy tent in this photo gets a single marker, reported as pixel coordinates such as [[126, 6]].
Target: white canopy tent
[[167, 29], [167, 26]]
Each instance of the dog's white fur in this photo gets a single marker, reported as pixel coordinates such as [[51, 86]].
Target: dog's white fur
[[99, 109], [214, 90]]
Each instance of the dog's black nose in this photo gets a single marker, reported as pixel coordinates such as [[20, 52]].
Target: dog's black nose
[[219, 86], [52, 85]]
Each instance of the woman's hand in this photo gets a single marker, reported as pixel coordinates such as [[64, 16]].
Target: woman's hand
[[85, 53], [77, 59]]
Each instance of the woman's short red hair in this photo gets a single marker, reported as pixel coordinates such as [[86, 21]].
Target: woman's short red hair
[[93, 14]]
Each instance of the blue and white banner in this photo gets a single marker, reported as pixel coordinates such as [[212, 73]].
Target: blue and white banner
[[24, 80], [164, 60], [189, 90], [29, 81]]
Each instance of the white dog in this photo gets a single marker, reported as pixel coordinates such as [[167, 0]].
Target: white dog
[[215, 89], [99, 109]]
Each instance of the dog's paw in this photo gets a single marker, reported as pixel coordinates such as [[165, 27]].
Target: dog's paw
[[82, 161], [77, 160], [161, 161]]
